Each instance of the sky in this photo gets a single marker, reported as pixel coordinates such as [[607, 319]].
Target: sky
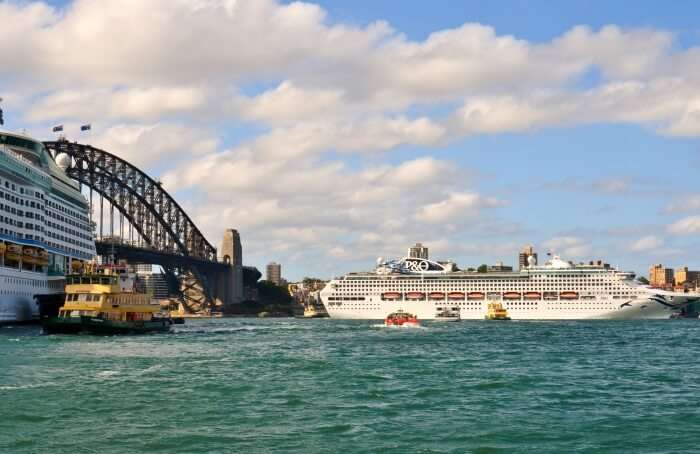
[[333, 133]]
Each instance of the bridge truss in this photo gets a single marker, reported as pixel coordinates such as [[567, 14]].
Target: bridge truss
[[146, 217]]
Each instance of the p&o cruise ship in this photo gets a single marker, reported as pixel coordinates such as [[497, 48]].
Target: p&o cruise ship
[[45, 228], [556, 290]]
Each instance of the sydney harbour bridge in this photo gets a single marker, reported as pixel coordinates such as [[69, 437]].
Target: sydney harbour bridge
[[143, 224]]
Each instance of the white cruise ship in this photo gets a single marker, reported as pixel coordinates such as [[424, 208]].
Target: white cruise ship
[[44, 226], [557, 290]]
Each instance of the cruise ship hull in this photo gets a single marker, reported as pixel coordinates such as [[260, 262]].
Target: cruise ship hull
[[427, 310], [17, 309], [17, 294]]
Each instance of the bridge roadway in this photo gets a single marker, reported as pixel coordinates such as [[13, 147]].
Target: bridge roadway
[[147, 255]]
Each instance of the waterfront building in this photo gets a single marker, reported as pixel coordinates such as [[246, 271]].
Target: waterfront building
[[274, 273], [524, 256], [418, 251], [660, 276], [154, 284], [499, 266], [684, 276]]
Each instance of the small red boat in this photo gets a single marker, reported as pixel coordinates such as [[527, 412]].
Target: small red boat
[[401, 318]]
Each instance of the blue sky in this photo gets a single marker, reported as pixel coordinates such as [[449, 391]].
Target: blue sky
[[342, 131]]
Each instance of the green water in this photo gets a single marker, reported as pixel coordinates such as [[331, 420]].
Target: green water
[[286, 385]]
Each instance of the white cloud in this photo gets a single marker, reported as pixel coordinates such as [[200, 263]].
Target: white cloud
[[686, 226], [456, 208], [135, 103], [647, 243], [169, 87], [569, 247], [146, 145], [685, 203]]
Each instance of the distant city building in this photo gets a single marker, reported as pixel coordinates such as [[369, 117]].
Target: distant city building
[[683, 276], [274, 273], [660, 276], [418, 251], [155, 284], [525, 254], [143, 268], [499, 267], [147, 281]]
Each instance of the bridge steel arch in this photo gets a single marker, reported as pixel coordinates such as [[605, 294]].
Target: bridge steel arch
[[150, 210]]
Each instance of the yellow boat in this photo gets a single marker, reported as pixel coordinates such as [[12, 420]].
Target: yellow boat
[[29, 255], [43, 258], [14, 252], [496, 311], [104, 301]]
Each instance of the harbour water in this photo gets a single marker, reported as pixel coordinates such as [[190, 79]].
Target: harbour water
[[286, 385]]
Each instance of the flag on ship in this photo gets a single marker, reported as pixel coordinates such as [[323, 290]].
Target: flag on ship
[[58, 128], [86, 127]]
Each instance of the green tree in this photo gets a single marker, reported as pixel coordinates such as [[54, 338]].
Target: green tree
[[643, 280], [311, 280], [482, 269]]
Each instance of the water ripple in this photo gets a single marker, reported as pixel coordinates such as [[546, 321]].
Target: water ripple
[[271, 385]]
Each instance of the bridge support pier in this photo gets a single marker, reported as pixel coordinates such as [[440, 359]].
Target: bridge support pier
[[229, 286]]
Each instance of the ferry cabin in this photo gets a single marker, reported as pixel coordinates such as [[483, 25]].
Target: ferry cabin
[[103, 297]]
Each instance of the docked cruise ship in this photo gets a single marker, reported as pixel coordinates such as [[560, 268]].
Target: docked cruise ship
[[45, 228], [556, 290]]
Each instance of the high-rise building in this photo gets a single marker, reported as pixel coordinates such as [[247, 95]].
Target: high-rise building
[[660, 276], [684, 276], [274, 273], [155, 284], [418, 251], [525, 254]]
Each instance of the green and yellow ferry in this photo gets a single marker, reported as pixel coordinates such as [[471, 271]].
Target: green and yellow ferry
[[106, 302], [496, 311]]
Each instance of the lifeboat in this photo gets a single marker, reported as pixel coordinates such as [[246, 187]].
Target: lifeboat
[[568, 295], [43, 258], [475, 296], [391, 296], [14, 252], [29, 255], [455, 295], [532, 295], [436, 296], [511, 296], [415, 295], [401, 318]]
